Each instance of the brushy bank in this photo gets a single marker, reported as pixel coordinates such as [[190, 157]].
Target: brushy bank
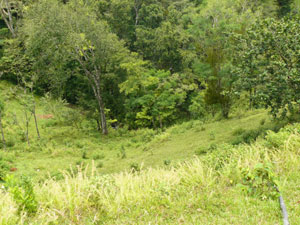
[[231, 185]]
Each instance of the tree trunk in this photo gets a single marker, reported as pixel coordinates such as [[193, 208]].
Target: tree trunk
[[250, 99], [102, 114], [36, 124], [27, 130], [2, 132], [160, 122], [153, 123], [98, 125], [6, 15], [136, 9], [94, 78]]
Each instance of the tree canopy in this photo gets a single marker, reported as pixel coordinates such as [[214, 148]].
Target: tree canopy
[[153, 63]]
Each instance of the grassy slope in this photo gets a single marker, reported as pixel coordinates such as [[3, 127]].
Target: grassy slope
[[62, 146], [204, 190]]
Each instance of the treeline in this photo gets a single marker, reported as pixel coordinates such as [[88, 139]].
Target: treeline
[[150, 63]]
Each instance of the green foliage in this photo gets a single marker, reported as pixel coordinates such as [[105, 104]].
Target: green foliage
[[262, 122], [167, 162], [100, 165], [276, 140], [22, 193], [135, 167], [197, 106], [154, 98], [98, 156], [260, 181], [122, 152], [84, 155], [4, 168], [247, 136], [267, 64]]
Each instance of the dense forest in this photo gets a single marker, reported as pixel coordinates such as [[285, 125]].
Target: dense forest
[[150, 63]]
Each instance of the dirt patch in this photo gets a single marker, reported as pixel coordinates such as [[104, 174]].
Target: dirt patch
[[46, 117]]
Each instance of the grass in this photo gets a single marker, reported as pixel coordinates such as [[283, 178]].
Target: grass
[[63, 145], [188, 174], [203, 190]]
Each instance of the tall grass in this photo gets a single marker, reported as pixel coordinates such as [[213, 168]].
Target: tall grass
[[204, 190]]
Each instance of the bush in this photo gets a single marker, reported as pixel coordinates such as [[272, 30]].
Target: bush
[[260, 181], [4, 168], [262, 122], [201, 151], [22, 193], [84, 155], [135, 167], [212, 135], [247, 136], [276, 140], [100, 165], [98, 156], [238, 131], [122, 154], [167, 162]]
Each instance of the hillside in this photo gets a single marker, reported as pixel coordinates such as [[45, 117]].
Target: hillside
[[65, 145], [149, 112], [231, 185]]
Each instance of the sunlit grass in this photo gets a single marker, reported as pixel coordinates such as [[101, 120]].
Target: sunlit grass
[[203, 190]]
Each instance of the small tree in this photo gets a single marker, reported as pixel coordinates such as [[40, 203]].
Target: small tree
[[1, 126], [26, 101]]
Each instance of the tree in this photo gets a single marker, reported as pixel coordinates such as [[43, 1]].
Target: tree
[[1, 126], [68, 34], [212, 29], [267, 61], [10, 12], [153, 97]]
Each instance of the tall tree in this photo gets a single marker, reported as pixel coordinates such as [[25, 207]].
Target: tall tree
[[69, 33], [267, 60], [211, 29]]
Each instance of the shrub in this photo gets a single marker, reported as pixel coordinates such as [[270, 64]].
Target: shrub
[[22, 193], [167, 162], [247, 136], [260, 181], [238, 131], [100, 165], [122, 152], [212, 135], [276, 139], [135, 167], [84, 155], [201, 151], [212, 147], [98, 156], [262, 122], [4, 168]]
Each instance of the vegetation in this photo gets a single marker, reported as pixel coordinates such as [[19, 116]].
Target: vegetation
[[229, 184], [123, 86]]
